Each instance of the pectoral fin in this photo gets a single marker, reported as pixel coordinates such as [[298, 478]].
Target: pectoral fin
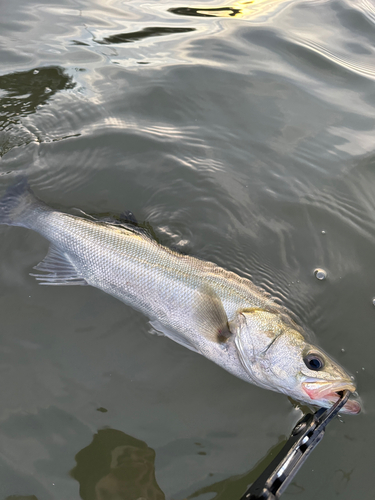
[[210, 316], [172, 334]]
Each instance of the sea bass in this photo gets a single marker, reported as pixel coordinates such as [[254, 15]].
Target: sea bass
[[198, 304]]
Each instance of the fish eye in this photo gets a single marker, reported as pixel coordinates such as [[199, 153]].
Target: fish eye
[[314, 362]]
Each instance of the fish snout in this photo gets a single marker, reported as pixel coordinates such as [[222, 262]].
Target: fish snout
[[323, 392]]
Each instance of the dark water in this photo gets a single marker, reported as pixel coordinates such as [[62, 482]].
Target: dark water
[[244, 134]]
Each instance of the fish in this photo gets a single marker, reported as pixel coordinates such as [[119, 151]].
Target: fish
[[196, 303]]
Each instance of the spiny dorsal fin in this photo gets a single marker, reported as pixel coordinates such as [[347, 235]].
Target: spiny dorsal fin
[[127, 216], [210, 315], [59, 269], [125, 220]]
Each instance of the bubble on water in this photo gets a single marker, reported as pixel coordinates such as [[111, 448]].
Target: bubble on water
[[342, 350], [320, 274], [47, 90], [323, 232], [373, 301], [35, 72], [363, 368]]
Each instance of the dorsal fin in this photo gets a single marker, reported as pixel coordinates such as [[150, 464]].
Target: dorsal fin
[[126, 220], [128, 217]]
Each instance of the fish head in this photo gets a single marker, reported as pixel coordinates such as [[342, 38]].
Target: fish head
[[276, 355]]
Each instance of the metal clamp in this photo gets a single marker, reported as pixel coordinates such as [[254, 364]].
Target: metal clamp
[[306, 434]]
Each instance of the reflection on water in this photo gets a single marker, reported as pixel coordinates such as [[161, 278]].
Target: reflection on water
[[24, 91], [236, 9], [142, 34], [21, 497], [21, 93], [205, 12], [235, 486], [116, 466]]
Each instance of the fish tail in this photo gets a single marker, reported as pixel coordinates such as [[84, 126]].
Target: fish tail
[[17, 204]]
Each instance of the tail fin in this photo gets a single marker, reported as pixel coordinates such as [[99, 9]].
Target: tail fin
[[17, 203]]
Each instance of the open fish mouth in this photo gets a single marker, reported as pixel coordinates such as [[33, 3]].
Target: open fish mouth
[[329, 392]]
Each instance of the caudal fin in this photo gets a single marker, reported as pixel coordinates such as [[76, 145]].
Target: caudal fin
[[17, 204]]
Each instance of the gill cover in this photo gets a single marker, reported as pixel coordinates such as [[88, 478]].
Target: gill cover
[[256, 330]]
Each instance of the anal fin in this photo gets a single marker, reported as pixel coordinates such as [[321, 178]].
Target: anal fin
[[59, 269]]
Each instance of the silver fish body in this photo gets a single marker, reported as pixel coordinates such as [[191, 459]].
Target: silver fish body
[[196, 303], [169, 288]]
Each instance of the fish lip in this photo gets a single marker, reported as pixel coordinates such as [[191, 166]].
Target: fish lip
[[319, 389], [329, 392]]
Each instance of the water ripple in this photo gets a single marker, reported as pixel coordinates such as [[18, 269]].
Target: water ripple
[[367, 71], [367, 8]]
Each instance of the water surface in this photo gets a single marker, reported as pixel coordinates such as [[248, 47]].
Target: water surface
[[243, 134]]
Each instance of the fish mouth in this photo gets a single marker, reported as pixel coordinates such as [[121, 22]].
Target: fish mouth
[[330, 392]]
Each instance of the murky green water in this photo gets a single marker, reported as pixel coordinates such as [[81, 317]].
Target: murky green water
[[244, 134]]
